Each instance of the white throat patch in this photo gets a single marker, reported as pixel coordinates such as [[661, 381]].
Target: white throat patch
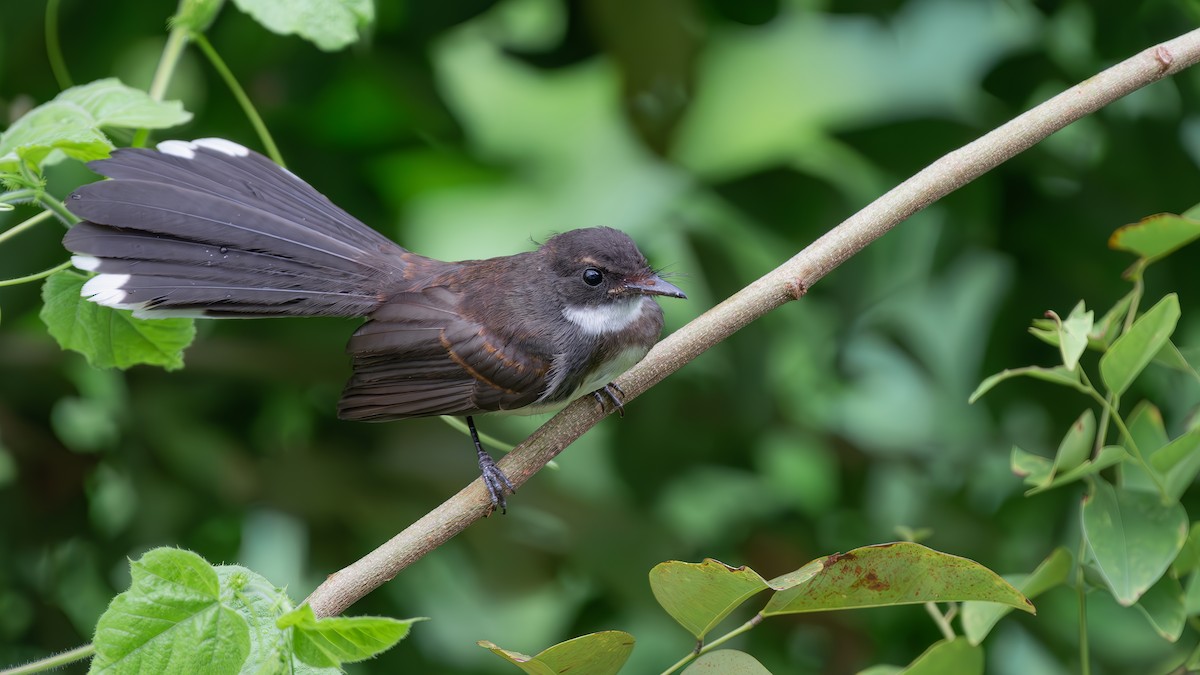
[[606, 318]]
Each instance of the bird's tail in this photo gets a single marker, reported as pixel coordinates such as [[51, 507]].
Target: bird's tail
[[209, 228]]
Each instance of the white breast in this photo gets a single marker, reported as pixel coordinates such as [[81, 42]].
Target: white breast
[[607, 318]]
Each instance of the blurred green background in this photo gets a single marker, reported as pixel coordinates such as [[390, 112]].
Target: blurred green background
[[723, 135]]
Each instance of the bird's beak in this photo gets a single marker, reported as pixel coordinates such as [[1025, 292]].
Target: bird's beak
[[652, 285]]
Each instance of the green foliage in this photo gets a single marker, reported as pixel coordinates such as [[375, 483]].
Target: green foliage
[[110, 338], [182, 615], [329, 24], [594, 654]]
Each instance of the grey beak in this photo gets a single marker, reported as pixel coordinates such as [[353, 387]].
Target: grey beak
[[653, 285]]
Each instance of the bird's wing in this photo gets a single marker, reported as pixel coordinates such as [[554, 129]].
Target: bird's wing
[[418, 355]]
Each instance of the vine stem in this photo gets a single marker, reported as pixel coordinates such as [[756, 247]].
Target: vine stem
[[34, 277], [240, 94], [28, 223], [788, 282], [754, 621], [942, 622], [52, 662], [176, 40]]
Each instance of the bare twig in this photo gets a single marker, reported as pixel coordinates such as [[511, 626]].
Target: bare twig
[[788, 282]]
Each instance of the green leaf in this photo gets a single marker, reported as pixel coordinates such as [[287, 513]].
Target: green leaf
[[1163, 607], [1188, 559], [197, 15], [1057, 375], [171, 620], [1076, 445], [71, 122], [1133, 537], [1035, 469], [1148, 431], [332, 641], [1155, 236], [329, 24], [1074, 335], [957, 656], [978, 618], [891, 574], [1108, 327], [110, 338], [1191, 596], [726, 662], [1109, 455], [1179, 462], [596, 654], [700, 595], [1126, 358]]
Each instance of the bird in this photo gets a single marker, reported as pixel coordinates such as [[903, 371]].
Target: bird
[[211, 229]]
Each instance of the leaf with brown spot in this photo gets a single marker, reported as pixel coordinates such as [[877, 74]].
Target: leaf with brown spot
[[892, 574]]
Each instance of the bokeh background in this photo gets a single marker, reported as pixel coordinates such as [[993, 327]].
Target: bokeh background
[[723, 135]]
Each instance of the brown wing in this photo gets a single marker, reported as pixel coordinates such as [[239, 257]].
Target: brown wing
[[418, 356]]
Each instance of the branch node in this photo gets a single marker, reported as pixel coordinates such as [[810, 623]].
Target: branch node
[[797, 288], [1164, 56]]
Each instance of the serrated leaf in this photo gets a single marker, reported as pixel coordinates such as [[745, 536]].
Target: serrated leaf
[[1057, 375], [700, 595], [978, 618], [1131, 352], [1155, 236], [1132, 537], [72, 122], [110, 338], [1163, 607], [332, 641], [726, 662], [595, 654], [329, 24], [171, 620], [957, 656], [893, 574]]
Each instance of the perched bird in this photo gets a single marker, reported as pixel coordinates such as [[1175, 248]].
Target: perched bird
[[208, 228]]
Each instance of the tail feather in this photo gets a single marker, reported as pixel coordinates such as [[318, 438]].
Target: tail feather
[[209, 228]]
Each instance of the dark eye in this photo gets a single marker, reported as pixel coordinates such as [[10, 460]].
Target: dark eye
[[592, 276]]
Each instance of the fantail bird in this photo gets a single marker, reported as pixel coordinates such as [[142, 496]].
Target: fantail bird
[[210, 229]]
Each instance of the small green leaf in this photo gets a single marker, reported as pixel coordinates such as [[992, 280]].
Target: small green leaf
[[197, 15], [1108, 327], [1126, 358], [700, 595], [1074, 335], [1146, 427], [1155, 236], [596, 654], [1076, 445], [110, 338], [71, 123], [957, 656], [1057, 375], [978, 618], [893, 574], [1179, 462], [329, 24], [1163, 607], [332, 641], [171, 620], [1035, 469], [1133, 537], [726, 662], [1109, 455], [1188, 559]]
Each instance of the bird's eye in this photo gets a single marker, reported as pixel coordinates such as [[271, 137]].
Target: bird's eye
[[592, 276]]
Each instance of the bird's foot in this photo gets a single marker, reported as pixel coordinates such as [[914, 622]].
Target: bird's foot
[[610, 394], [494, 479]]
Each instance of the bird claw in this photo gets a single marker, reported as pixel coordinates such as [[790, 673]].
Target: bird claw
[[495, 481], [610, 394]]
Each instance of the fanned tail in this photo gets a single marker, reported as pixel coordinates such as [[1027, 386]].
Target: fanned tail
[[209, 228]]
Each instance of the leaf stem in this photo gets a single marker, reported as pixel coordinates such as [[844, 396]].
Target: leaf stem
[[34, 277], [27, 224], [1127, 436], [57, 208], [1084, 658], [754, 621], [52, 662], [240, 94], [176, 41], [942, 622], [54, 49]]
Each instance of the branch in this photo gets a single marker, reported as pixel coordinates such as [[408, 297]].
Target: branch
[[788, 282]]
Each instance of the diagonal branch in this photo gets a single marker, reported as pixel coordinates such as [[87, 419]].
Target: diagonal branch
[[789, 281]]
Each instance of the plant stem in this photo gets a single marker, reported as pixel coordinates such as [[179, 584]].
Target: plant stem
[[940, 619], [52, 662], [1085, 667], [240, 94], [53, 49], [34, 277], [27, 224], [176, 41], [754, 621], [57, 208], [1128, 437]]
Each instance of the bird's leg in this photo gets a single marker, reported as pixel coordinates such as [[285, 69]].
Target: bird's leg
[[610, 393], [493, 478]]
